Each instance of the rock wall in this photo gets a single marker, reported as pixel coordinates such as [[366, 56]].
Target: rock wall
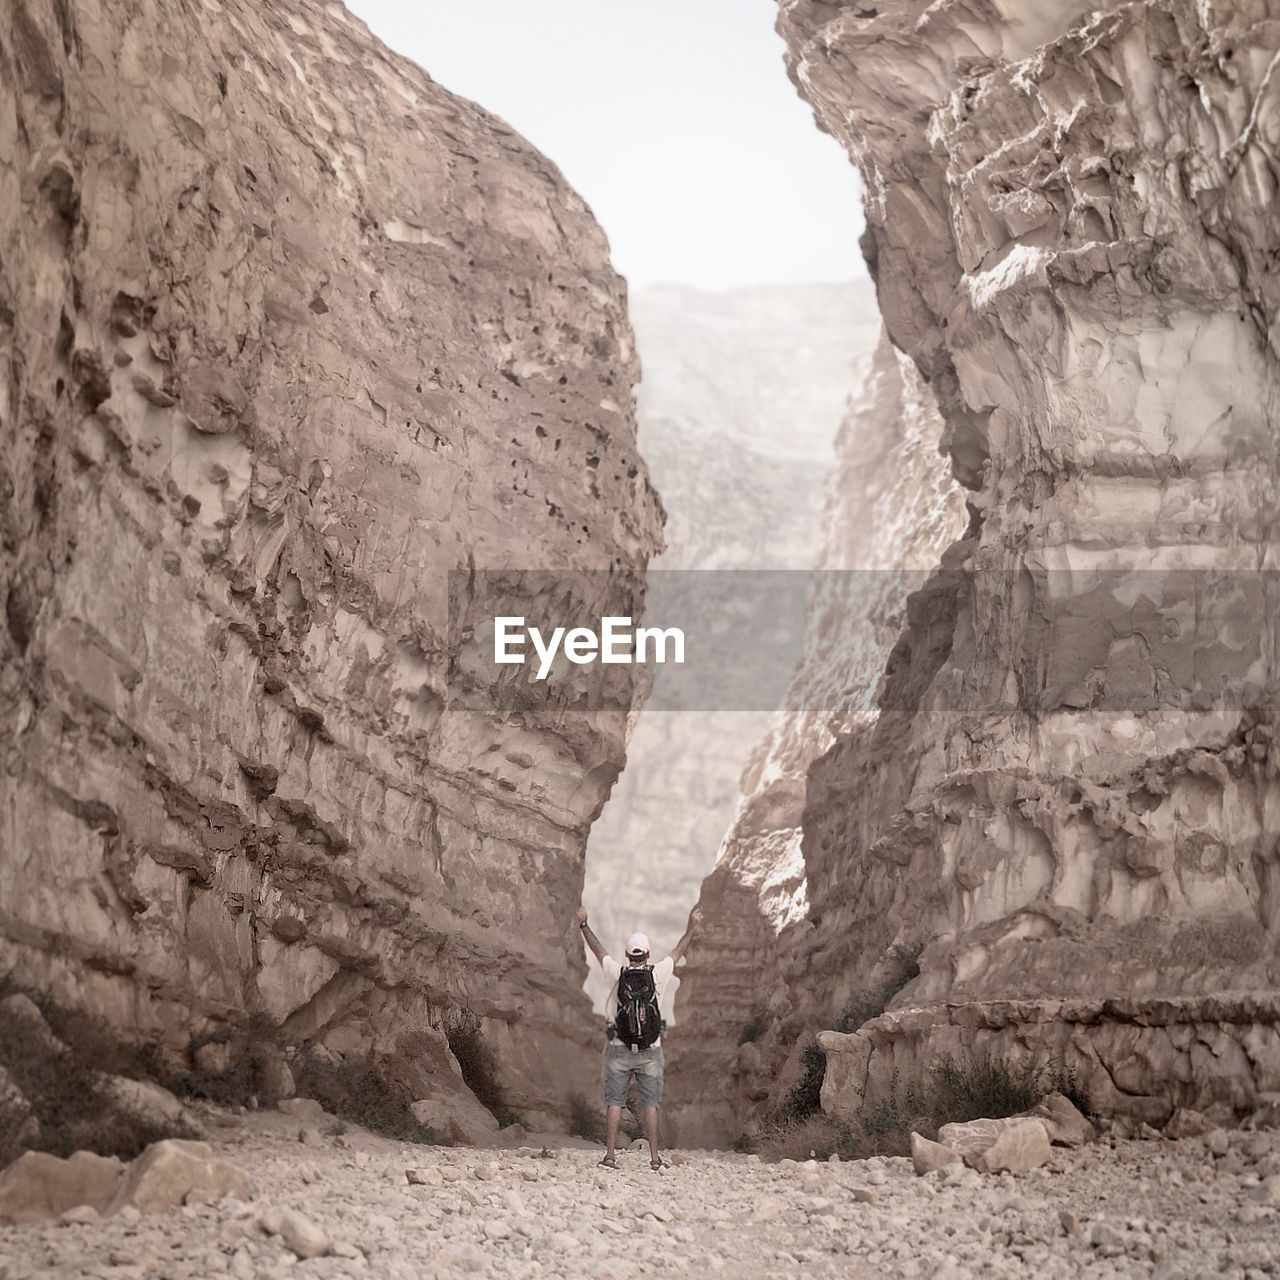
[[291, 334], [758, 988], [1070, 798]]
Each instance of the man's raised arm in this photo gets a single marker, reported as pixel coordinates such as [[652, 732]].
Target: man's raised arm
[[597, 948], [691, 930]]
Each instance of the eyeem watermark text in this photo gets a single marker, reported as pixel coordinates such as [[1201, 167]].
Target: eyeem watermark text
[[615, 642]]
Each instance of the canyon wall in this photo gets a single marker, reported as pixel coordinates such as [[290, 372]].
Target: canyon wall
[[291, 335], [1068, 804]]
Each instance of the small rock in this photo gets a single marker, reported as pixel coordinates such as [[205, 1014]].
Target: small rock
[[1256, 1146], [1185, 1123], [276, 1074], [301, 1235], [926, 1156], [1218, 1142], [213, 1057], [1102, 1235], [1267, 1192], [311, 1137], [767, 1210], [1066, 1125], [81, 1214], [428, 1177], [307, 1111]]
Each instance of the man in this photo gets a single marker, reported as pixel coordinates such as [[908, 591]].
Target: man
[[621, 1062]]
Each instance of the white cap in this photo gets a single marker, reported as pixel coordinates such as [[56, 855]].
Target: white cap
[[638, 943]]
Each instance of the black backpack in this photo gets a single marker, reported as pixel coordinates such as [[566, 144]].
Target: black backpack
[[639, 1021]]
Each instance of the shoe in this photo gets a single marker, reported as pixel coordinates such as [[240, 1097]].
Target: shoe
[[657, 1165], [608, 1163]]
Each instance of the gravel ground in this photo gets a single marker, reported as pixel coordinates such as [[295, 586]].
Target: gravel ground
[[1198, 1207]]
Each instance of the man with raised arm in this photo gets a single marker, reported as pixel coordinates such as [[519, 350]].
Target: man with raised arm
[[634, 1048]]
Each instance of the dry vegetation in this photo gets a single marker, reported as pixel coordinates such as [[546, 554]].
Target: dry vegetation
[[957, 1090], [70, 1101]]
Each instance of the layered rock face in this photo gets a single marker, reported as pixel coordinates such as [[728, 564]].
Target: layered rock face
[[1070, 798], [757, 985], [741, 399], [292, 334]]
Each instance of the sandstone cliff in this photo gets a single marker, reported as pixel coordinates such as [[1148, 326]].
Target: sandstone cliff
[[290, 334], [1069, 799]]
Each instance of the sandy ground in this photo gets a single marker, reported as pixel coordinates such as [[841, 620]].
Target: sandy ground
[[1197, 1207]]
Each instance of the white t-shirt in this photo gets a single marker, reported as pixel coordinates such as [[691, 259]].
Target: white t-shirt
[[662, 972]]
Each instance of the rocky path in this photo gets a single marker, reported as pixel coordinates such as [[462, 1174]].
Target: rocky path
[[1190, 1208]]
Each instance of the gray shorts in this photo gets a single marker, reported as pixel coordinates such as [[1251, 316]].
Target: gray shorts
[[620, 1064]]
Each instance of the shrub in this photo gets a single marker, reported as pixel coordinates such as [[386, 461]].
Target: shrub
[[894, 969], [754, 1026], [584, 1119], [357, 1092], [478, 1065], [974, 1091], [815, 1137], [805, 1098], [234, 1087], [955, 1091], [71, 1100]]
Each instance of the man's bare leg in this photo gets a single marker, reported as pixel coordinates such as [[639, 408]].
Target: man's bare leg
[[613, 1119], [651, 1131]]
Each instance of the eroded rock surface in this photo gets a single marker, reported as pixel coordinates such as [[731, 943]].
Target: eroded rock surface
[[1069, 800], [291, 333]]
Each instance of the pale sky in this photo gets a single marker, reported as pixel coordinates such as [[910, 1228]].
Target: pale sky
[[674, 119]]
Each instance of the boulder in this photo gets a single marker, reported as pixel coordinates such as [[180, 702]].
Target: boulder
[[1015, 1144], [1064, 1122], [145, 1101], [307, 1111], [458, 1116], [302, 1235], [177, 1172], [38, 1186], [213, 1058], [277, 1075], [1185, 1123], [927, 1156]]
